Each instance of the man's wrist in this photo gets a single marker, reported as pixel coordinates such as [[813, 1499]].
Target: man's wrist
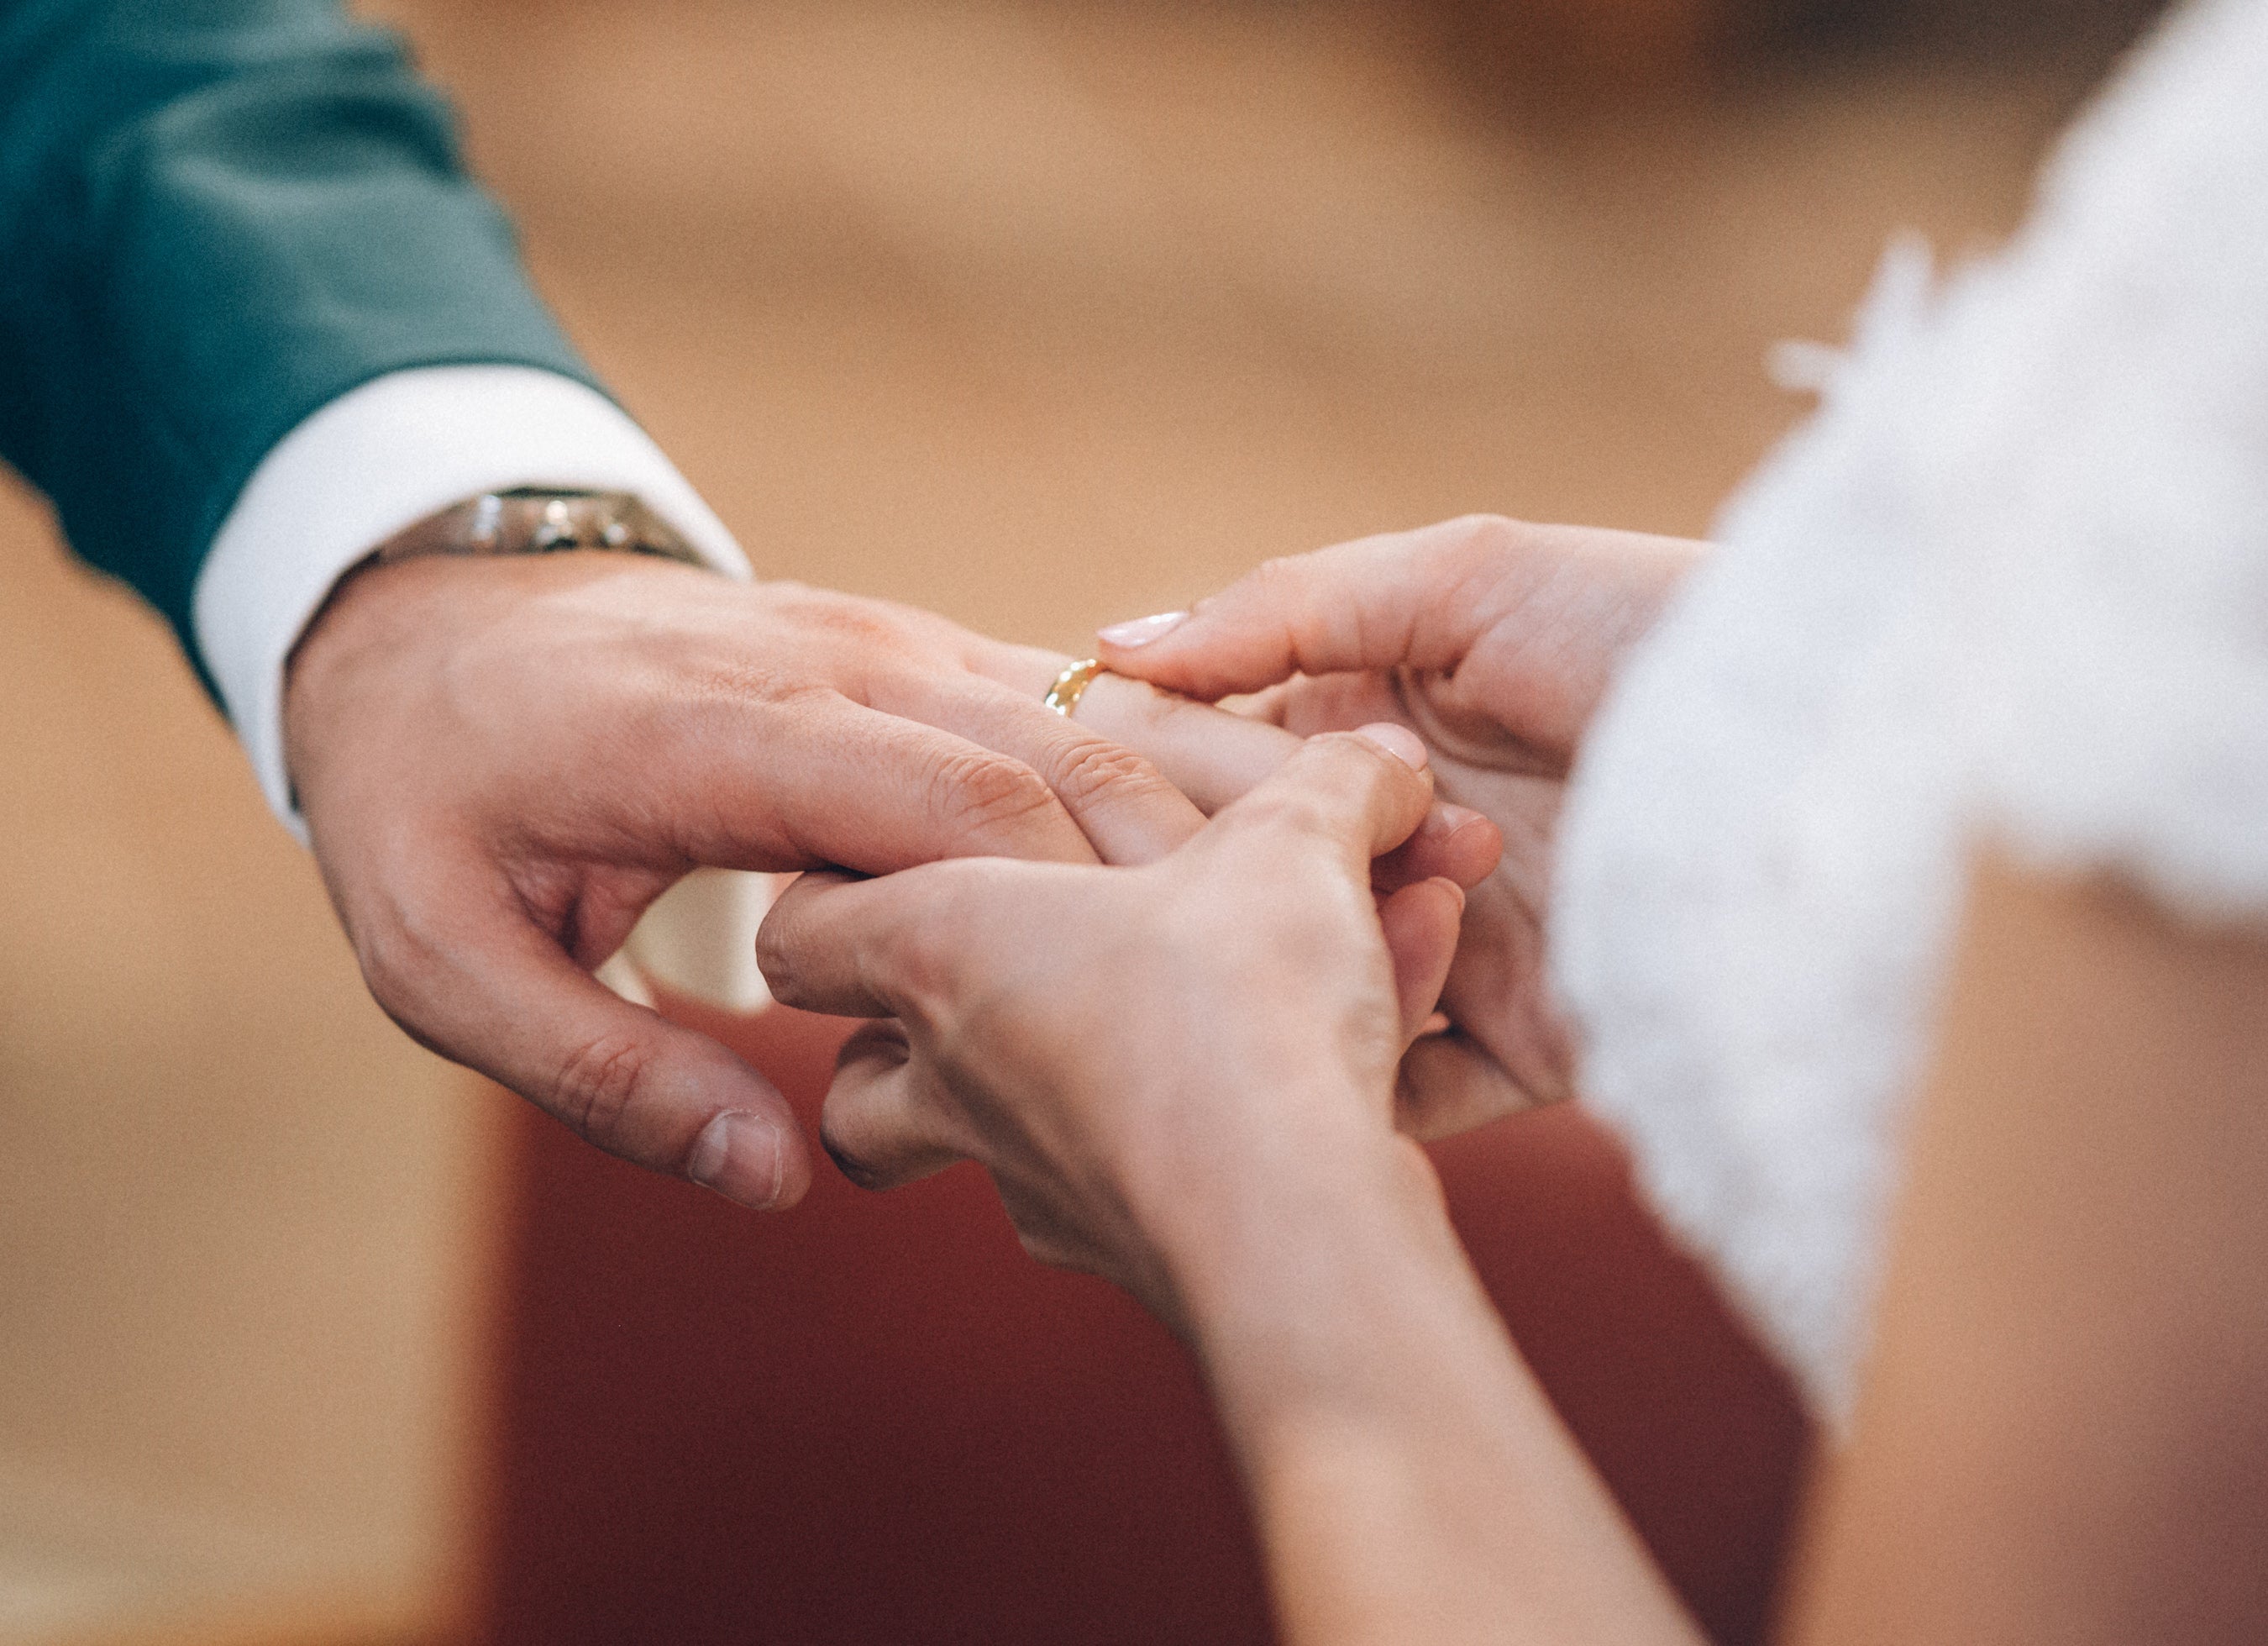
[[373, 462]]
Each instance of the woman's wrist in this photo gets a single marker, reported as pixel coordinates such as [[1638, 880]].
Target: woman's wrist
[[1410, 1478], [1255, 1244]]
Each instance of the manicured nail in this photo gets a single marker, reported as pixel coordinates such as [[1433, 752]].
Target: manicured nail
[[742, 1158], [1447, 817], [1398, 741], [1142, 631]]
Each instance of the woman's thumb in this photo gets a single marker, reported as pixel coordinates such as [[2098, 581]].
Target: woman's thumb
[[1367, 604]]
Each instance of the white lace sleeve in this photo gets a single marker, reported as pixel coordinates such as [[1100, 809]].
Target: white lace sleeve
[[2104, 489], [2012, 581]]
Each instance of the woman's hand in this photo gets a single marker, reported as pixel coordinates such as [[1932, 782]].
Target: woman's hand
[[1148, 1062], [1495, 641], [1182, 1076]]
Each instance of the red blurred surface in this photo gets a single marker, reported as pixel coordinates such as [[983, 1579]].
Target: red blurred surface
[[875, 1420]]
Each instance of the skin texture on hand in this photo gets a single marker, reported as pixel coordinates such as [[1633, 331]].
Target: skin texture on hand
[[503, 762], [1495, 641]]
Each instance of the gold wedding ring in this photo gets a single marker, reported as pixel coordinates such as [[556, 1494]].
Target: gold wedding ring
[[1072, 685]]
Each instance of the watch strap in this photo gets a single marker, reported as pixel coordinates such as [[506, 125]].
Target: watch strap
[[541, 519]]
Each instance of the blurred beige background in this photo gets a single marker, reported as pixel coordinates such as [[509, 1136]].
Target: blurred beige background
[[1041, 314]]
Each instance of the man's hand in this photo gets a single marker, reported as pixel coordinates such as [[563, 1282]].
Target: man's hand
[[1495, 641], [503, 762]]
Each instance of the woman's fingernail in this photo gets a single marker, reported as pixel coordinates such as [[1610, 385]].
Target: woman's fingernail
[[1398, 741], [742, 1157], [1447, 817], [1142, 631]]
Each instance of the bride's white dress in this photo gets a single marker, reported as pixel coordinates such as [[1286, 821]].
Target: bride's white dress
[[2011, 581]]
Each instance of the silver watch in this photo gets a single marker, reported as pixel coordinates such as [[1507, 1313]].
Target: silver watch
[[540, 520]]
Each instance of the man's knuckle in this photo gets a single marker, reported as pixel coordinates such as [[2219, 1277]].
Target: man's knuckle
[[713, 695], [599, 1084], [831, 616], [1096, 766], [860, 626], [979, 792]]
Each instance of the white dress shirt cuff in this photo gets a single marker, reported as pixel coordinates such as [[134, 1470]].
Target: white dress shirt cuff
[[383, 457]]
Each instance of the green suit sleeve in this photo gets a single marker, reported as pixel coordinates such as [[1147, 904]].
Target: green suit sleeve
[[216, 216]]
